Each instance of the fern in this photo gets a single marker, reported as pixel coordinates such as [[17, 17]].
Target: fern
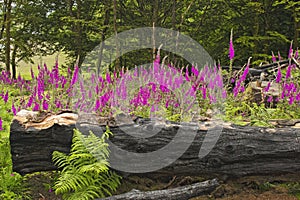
[[85, 173]]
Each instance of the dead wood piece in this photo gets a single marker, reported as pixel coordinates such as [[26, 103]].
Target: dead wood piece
[[180, 193]]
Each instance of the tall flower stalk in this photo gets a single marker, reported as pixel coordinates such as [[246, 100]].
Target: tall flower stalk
[[231, 54]]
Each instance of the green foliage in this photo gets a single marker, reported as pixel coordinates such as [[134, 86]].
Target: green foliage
[[11, 183], [244, 113], [85, 173]]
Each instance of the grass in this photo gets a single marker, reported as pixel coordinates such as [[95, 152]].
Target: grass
[[24, 67]]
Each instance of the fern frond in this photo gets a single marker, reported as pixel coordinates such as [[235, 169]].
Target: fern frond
[[85, 173], [60, 159]]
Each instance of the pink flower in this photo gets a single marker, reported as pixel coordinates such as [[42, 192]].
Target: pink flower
[[108, 79], [266, 89], [270, 99], [13, 109], [45, 105], [288, 72], [278, 77], [5, 97], [231, 48], [36, 107], [75, 76], [1, 127]]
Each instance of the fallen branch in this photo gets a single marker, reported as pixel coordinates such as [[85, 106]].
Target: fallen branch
[[180, 193]]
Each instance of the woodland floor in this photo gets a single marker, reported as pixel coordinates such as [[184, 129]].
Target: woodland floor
[[252, 188]]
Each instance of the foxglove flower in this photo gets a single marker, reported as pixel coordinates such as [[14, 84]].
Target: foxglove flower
[[231, 48], [108, 79], [13, 109], [279, 75], [75, 76], [45, 105], [5, 97], [30, 100], [266, 89], [270, 99], [1, 126], [36, 107], [288, 72]]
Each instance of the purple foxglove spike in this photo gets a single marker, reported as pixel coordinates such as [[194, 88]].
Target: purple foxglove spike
[[30, 100], [195, 71], [279, 75], [224, 94], [13, 109], [45, 105], [291, 100], [75, 76], [36, 107], [298, 97], [231, 48], [270, 99], [5, 97], [1, 124], [98, 104], [266, 89], [288, 72], [108, 79], [244, 76]]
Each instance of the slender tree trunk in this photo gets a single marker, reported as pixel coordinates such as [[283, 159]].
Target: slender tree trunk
[[154, 23], [117, 64], [13, 62], [7, 43], [296, 28], [79, 34], [4, 19], [105, 24]]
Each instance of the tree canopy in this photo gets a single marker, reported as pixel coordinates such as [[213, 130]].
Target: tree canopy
[[41, 27]]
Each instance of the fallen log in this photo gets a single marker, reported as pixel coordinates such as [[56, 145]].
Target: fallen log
[[180, 193], [238, 151]]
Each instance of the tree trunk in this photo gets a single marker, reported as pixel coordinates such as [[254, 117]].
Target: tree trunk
[[239, 151], [105, 24], [13, 62], [7, 31], [117, 64]]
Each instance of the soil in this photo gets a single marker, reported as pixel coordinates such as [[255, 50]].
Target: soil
[[285, 187]]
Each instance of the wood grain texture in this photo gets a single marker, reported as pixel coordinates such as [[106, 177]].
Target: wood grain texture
[[239, 151]]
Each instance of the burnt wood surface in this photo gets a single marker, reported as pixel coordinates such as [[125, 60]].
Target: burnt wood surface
[[239, 150], [179, 193]]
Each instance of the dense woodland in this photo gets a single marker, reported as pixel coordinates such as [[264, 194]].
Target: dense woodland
[[42, 27]]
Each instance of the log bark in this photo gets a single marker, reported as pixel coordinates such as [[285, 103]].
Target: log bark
[[180, 193], [239, 151]]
